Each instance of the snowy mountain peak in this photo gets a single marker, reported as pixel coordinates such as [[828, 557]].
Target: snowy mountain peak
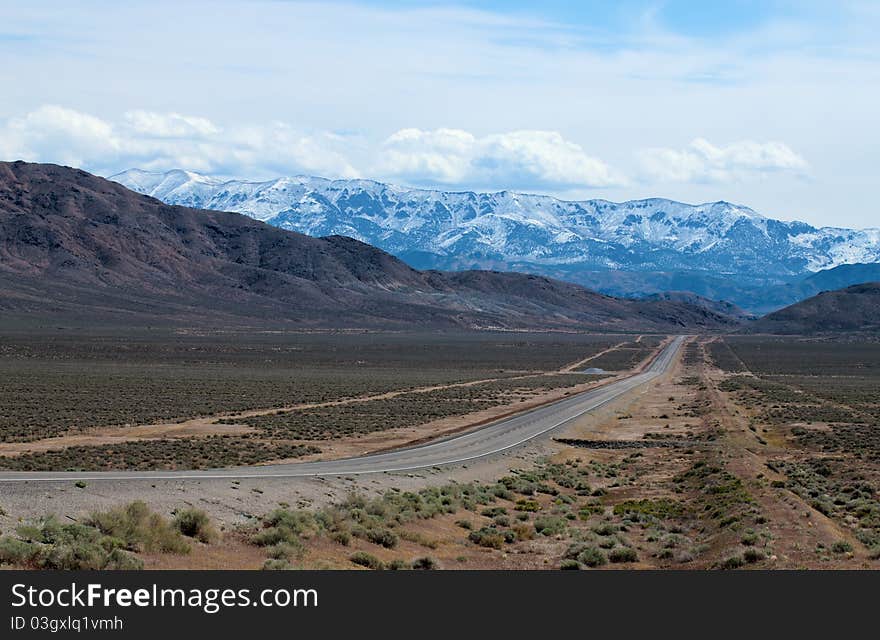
[[507, 229]]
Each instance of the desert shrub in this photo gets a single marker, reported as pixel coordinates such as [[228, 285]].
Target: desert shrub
[[195, 523], [139, 529], [569, 565], [589, 510], [341, 537], [282, 526], [683, 557], [276, 564], [662, 508], [550, 525], [418, 538], [272, 536], [623, 554], [523, 531], [752, 556], [605, 529], [287, 550], [487, 537], [733, 562], [367, 560], [383, 537], [48, 544], [749, 538], [299, 523], [841, 546], [502, 521], [425, 564], [119, 560], [527, 505], [590, 556], [16, 551]]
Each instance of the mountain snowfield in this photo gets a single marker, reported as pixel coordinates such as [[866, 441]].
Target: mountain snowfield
[[440, 229]]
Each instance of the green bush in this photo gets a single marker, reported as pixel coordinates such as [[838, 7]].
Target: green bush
[[285, 527], [623, 554], [523, 531], [605, 529], [425, 564], [592, 557], [139, 529], [550, 525], [195, 523], [733, 562], [287, 550], [753, 555], [120, 560], [46, 543], [569, 565], [367, 560], [527, 505], [15, 551], [487, 537], [382, 537], [341, 537], [841, 546]]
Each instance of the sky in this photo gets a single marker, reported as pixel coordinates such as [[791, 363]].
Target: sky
[[771, 104]]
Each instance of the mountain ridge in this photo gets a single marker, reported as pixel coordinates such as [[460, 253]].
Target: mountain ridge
[[76, 245], [507, 230]]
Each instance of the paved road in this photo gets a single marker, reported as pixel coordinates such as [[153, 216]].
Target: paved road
[[494, 438]]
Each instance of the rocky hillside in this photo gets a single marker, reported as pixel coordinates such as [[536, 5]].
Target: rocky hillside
[[81, 248], [853, 309]]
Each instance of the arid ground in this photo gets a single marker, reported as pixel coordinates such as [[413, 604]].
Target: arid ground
[[741, 456]]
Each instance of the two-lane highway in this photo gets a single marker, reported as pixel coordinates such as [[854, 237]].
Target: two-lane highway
[[494, 438]]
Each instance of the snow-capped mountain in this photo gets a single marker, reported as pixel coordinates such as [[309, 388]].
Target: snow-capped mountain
[[529, 232]]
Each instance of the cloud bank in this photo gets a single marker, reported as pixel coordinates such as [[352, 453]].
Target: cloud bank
[[703, 161], [162, 141], [527, 159], [444, 158]]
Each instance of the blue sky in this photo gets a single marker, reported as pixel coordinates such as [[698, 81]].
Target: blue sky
[[769, 104]]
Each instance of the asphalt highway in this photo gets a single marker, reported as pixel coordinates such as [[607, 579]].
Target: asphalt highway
[[496, 437]]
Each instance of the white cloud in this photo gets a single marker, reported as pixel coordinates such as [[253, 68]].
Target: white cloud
[[169, 125], [519, 159], [166, 140], [160, 141], [702, 161], [67, 136]]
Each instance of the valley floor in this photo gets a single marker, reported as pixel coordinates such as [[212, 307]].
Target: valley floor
[[737, 457]]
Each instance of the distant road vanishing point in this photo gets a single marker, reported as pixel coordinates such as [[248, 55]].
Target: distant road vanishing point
[[496, 437]]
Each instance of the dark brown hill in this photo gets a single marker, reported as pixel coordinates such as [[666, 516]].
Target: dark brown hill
[[853, 309], [77, 248]]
